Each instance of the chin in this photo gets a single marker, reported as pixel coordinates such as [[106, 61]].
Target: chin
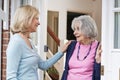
[[33, 31], [77, 40]]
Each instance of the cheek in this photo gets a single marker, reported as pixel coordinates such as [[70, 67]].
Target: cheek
[[81, 38], [32, 28]]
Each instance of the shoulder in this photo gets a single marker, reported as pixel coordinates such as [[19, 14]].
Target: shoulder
[[15, 41], [72, 45], [95, 44], [15, 46], [73, 42]]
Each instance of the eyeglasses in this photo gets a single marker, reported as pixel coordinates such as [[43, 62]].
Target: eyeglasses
[[84, 56]]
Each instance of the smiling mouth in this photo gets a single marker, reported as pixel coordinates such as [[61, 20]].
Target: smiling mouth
[[77, 36]]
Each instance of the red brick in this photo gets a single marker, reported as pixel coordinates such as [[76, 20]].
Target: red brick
[[5, 35]]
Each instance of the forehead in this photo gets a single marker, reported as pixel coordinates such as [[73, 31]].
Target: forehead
[[77, 24]]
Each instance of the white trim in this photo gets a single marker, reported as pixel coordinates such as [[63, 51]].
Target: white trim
[[2, 15], [105, 39], [6, 10], [115, 51], [116, 9], [42, 30]]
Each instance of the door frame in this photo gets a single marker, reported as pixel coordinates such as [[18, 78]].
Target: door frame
[[110, 56]]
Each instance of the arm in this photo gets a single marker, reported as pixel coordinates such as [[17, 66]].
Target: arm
[[13, 58], [48, 63], [44, 65]]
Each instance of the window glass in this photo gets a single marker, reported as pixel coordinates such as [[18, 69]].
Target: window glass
[[24, 2], [117, 3], [117, 30]]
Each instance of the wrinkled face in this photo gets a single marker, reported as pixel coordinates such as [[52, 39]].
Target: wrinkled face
[[80, 37], [34, 24]]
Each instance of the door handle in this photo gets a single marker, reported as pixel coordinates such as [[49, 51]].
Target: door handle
[[102, 70]]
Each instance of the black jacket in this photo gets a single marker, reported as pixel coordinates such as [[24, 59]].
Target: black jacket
[[96, 72]]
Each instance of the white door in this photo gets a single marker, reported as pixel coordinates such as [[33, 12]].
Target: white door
[[111, 39]]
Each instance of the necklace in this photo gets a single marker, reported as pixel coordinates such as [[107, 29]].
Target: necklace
[[84, 56]]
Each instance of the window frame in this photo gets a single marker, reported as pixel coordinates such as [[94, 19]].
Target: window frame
[[111, 24], [114, 11]]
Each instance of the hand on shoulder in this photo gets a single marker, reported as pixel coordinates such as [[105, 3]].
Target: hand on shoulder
[[65, 46]]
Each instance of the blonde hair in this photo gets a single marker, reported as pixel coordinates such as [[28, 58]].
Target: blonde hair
[[23, 18], [87, 25]]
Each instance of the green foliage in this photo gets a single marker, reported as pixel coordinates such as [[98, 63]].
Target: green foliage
[[53, 73]]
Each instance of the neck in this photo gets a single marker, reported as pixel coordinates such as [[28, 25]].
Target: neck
[[25, 35], [87, 42]]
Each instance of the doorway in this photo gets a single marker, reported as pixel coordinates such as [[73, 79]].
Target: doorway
[[53, 17], [70, 17]]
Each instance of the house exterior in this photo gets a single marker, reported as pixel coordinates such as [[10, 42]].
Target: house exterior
[[105, 12]]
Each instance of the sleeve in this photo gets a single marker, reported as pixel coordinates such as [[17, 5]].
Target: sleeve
[[44, 65], [97, 68], [13, 58], [96, 72]]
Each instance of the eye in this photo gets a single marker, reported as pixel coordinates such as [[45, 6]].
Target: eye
[[37, 18], [74, 29], [78, 28]]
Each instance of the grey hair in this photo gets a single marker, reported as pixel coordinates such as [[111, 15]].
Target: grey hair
[[87, 25]]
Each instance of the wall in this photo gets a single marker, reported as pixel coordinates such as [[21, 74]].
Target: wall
[[97, 15], [5, 40]]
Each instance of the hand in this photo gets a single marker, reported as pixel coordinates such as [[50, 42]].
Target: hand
[[65, 46], [98, 54]]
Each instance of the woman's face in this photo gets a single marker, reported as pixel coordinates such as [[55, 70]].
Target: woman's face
[[34, 24], [80, 37]]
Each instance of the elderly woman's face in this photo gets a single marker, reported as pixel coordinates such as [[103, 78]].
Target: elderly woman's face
[[78, 34]]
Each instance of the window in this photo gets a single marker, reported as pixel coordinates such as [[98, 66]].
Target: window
[[116, 10], [117, 3], [24, 2]]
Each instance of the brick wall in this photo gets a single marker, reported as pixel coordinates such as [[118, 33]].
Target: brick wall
[[5, 40]]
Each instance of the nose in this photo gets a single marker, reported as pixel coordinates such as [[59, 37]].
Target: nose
[[75, 32], [38, 23]]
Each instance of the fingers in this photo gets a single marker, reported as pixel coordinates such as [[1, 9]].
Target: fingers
[[68, 43], [98, 55], [99, 50], [65, 46], [99, 47]]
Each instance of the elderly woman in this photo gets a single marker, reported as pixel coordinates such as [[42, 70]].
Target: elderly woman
[[23, 60], [83, 55]]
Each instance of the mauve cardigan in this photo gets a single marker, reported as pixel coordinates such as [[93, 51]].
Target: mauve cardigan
[[96, 67]]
